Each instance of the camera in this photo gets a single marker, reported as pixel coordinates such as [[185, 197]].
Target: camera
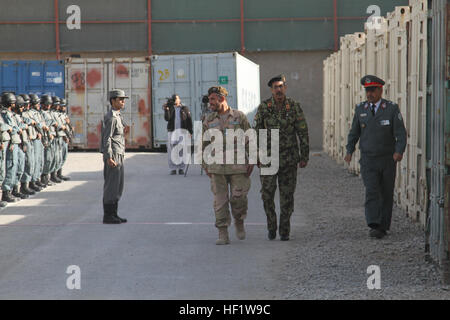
[[169, 103], [205, 99]]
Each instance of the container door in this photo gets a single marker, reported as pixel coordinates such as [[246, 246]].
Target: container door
[[132, 76], [171, 75]]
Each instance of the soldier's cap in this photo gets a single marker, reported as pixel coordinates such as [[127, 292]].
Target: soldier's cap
[[117, 93], [371, 81], [280, 77], [218, 90]]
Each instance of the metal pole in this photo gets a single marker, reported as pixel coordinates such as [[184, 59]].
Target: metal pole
[[58, 52], [242, 27]]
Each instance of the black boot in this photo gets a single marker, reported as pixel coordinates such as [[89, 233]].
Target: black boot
[[60, 175], [54, 178], [108, 214], [122, 220], [33, 186], [48, 181], [6, 196], [18, 194], [44, 181], [38, 183], [25, 190]]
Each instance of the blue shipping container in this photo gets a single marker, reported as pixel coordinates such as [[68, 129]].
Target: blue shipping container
[[32, 76]]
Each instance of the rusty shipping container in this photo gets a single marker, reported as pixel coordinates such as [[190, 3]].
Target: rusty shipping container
[[87, 84]]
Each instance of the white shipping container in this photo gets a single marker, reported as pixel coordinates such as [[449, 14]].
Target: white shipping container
[[190, 77]]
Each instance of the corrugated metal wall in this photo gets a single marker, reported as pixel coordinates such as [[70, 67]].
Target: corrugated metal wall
[[438, 114], [182, 26]]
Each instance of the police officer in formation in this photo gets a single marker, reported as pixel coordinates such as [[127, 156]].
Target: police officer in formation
[[379, 127], [286, 115], [33, 144], [113, 149]]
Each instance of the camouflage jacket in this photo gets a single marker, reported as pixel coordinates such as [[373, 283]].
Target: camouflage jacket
[[235, 120], [291, 123]]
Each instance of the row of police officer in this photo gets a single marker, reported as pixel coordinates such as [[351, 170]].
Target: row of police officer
[[34, 141]]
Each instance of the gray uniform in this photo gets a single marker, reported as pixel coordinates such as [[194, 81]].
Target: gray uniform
[[64, 145], [4, 139], [12, 151], [37, 145], [49, 152], [23, 146], [29, 147], [380, 136], [113, 147]]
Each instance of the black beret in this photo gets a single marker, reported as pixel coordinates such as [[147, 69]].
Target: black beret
[[280, 77]]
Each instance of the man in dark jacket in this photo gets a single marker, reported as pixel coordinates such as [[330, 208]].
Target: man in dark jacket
[[177, 117]]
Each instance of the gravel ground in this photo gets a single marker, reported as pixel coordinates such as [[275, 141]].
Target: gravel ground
[[334, 249]]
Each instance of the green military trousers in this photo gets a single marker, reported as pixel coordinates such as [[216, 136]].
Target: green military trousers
[[287, 181], [230, 190], [114, 180]]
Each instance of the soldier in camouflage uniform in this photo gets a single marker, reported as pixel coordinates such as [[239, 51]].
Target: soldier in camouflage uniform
[[379, 127], [286, 115], [223, 176]]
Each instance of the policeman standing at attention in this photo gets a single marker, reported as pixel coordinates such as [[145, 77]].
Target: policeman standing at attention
[[113, 149], [234, 176], [379, 127], [12, 149], [286, 115]]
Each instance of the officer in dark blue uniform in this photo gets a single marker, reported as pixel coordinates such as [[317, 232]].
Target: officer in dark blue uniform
[[379, 127]]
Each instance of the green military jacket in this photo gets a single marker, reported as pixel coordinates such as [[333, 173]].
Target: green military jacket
[[236, 120], [291, 123], [379, 135]]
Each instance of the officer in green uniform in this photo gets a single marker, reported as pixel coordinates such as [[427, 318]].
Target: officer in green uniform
[[379, 127], [113, 149], [286, 115], [224, 175]]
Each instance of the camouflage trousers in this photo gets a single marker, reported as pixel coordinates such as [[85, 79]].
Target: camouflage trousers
[[287, 181], [230, 190]]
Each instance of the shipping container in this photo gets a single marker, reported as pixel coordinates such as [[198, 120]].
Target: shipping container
[[32, 76], [88, 82], [190, 77], [438, 146]]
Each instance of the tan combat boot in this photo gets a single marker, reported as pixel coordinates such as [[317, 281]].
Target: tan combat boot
[[240, 231], [223, 236]]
